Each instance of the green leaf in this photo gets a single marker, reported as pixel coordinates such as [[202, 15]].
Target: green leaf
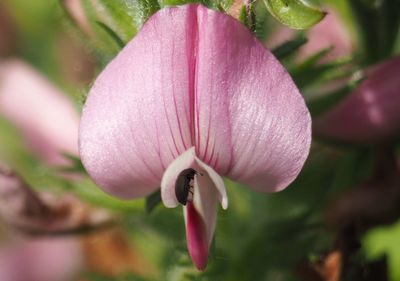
[[325, 102], [112, 34], [152, 201], [115, 14], [288, 48], [378, 23], [243, 16], [311, 70], [312, 60], [296, 14], [75, 165], [141, 10], [116, 22], [385, 241]]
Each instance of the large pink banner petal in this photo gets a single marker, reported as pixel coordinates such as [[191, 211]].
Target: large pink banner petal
[[194, 77]]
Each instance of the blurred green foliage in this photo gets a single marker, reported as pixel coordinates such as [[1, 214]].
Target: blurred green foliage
[[384, 241]]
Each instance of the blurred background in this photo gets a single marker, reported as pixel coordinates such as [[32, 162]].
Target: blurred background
[[338, 221]]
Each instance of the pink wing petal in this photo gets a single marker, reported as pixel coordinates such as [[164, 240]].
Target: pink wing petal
[[196, 236], [46, 118], [251, 121], [138, 114], [371, 113], [201, 219]]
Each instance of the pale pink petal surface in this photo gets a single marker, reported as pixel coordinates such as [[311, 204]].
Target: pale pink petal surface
[[138, 113], [252, 123], [193, 77], [371, 113], [43, 114]]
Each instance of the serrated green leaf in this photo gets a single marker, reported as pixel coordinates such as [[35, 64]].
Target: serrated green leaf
[[295, 14]]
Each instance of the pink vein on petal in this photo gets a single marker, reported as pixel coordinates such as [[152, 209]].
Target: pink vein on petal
[[192, 61], [185, 146], [166, 112]]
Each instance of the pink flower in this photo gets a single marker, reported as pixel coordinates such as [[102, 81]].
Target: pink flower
[[43, 114], [41, 260], [194, 89], [371, 113], [76, 10], [330, 32]]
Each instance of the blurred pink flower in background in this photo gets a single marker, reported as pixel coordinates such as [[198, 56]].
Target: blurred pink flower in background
[[371, 113], [331, 31], [41, 260], [49, 124], [45, 117], [76, 10], [194, 89]]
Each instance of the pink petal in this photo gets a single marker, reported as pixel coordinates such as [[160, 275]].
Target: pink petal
[[77, 12], [371, 113], [200, 214], [193, 77], [196, 237], [41, 260], [137, 116], [46, 118], [252, 122], [330, 32], [200, 219]]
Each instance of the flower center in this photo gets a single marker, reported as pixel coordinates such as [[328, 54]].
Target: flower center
[[184, 185], [188, 179]]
